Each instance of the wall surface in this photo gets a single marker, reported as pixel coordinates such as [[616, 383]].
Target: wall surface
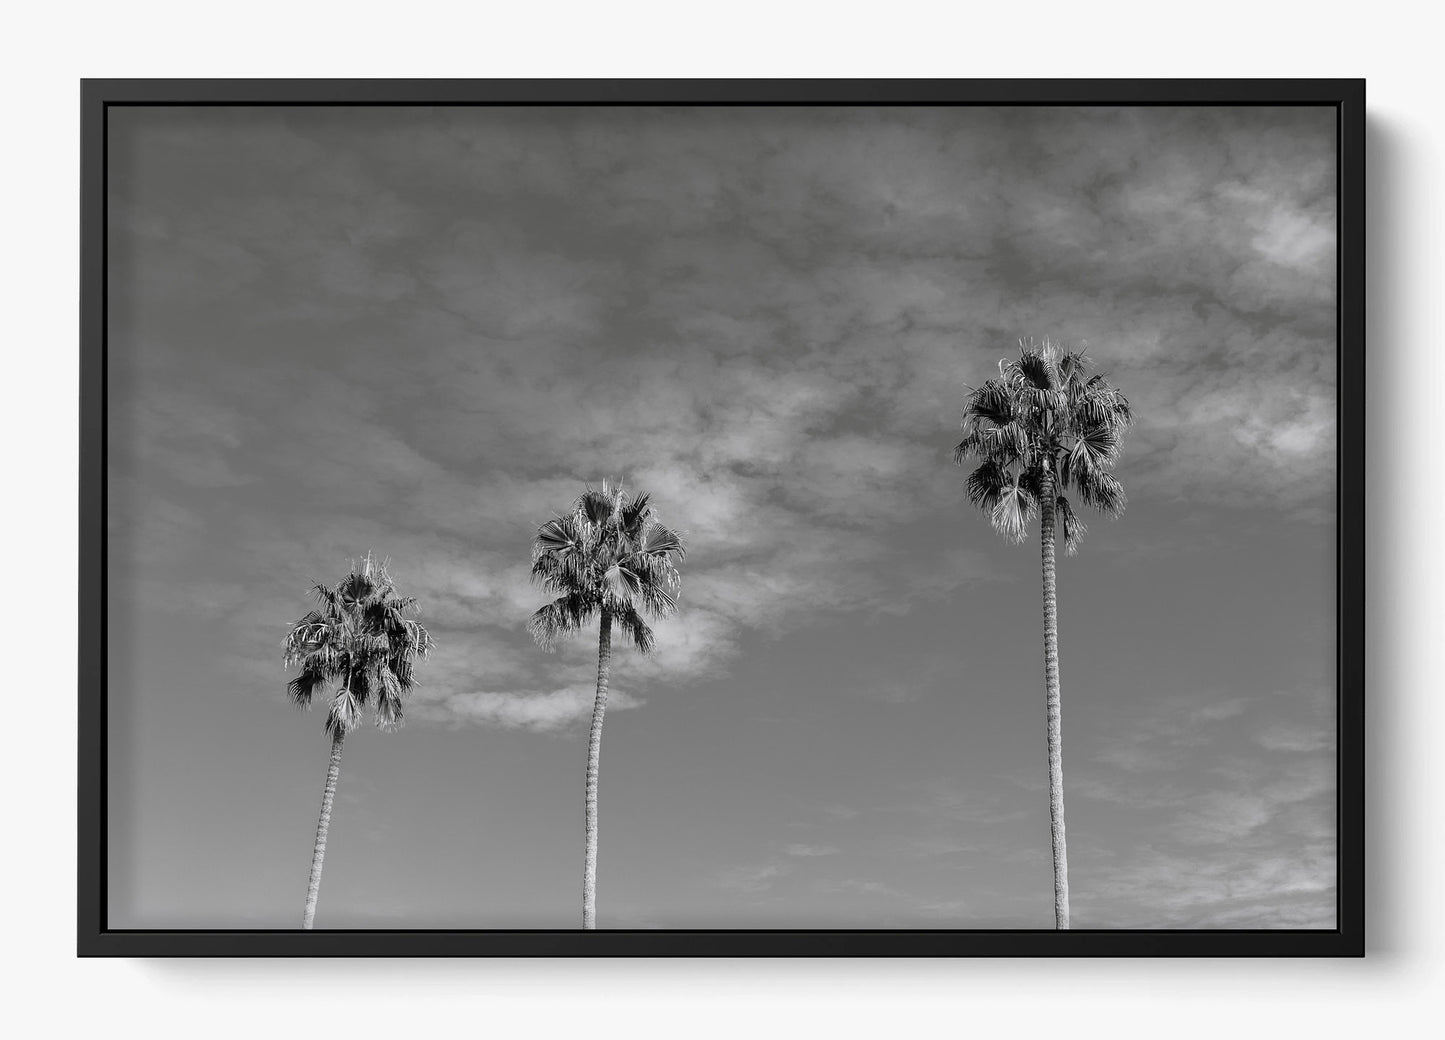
[[53, 46]]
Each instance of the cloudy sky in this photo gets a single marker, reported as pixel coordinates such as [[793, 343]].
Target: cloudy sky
[[420, 332]]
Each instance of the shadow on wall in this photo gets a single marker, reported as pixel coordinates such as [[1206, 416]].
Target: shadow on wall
[[1386, 544]]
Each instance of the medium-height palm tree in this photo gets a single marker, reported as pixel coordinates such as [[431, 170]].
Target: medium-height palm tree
[[609, 558], [359, 638], [1045, 427]]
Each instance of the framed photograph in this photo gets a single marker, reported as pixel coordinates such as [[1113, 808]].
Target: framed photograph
[[949, 495]]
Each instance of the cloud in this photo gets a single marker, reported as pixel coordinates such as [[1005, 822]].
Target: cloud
[[540, 710], [421, 332], [144, 529], [189, 438], [935, 912], [808, 851], [1221, 811], [1297, 737], [1160, 739], [1239, 888], [751, 880]]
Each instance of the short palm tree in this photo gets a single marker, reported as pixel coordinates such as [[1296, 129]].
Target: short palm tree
[[359, 639], [1043, 428], [612, 559]]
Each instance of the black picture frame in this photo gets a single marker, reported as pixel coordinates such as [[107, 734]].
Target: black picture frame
[[96, 939]]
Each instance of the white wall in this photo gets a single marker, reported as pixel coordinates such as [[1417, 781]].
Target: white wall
[[50, 48]]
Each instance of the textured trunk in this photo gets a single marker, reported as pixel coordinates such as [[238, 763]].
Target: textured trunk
[[1051, 681], [594, 754], [333, 770]]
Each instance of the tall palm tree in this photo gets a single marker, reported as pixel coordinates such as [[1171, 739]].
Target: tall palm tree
[[1045, 427], [360, 639], [609, 558]]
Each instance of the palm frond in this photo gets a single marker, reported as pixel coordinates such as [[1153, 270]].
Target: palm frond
[[306, 637], [1013, 442], [403, 667], [660, 598], [1034, 370], [560, 618], [632, 625], [622, 586], [1102, 491], [1073, 527], [1074, 365], [388, 701], [305, 686], [660, 540], [1012, 511], [1094, 449], [635, 511], [985, 484], [991, 403], [418, 639], [597, 507], [556, 535], [343, 714], [972, 445], [1032, 481], [1102, 401], [358, 587], [1005, 444], [327, 598]]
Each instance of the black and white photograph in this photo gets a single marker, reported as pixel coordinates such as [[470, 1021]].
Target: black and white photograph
[[722, 517]]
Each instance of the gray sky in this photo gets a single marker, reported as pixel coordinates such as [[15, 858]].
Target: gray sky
[[420, 332]]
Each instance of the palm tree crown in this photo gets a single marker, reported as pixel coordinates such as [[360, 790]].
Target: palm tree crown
[[609, 554], [360, 637], [1045, 425]]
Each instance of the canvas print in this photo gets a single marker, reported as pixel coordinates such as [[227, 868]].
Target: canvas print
[[602, 517]]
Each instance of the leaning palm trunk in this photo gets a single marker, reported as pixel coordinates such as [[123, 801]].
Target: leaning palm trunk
[[612, 559], [1047, 506], [360, 638], [594, 755], [333, 770]]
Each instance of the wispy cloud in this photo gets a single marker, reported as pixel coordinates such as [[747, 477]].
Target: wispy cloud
[[541, 710], [752, 880], [767, 322], [1213, 828]]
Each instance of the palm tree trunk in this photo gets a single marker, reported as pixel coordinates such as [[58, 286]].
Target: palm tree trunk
[[333, 770], [1047, 507], [594, 753]]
